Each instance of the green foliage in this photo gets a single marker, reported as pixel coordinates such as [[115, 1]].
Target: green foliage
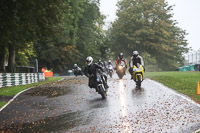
[[78, 35], [62, 33], [27, 21], [151, 64], [90, 36], [55, 56], [23, 55], [147, 26], [2, 104]]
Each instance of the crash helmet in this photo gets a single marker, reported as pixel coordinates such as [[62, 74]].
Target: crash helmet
[[109, 61], [75, 65], [89, 60], [135, 54], [99, 61], [121, 55]]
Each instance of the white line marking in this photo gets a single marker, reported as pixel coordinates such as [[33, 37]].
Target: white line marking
[[18, 95], [14, 98], [175, 92], [178, 94]]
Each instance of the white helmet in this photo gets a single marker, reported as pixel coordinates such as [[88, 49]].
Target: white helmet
[[89, 60], [75, 65], [135, 54]]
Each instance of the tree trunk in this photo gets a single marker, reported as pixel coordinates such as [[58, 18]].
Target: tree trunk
[[2, 58], [11, 59]]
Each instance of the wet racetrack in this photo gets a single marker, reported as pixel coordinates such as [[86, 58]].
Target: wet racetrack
[[71, 106]]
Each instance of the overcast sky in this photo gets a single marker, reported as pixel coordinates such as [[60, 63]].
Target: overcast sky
[[186, 13]]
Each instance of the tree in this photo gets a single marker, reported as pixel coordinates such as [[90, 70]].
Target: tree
[[147, 26], [23, 55], [62, 32], [77, 36], [26, 21], [90, 35]]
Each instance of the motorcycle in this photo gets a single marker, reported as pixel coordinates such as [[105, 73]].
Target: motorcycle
[[110, 70], [138, 74], [77, 72], [100, 88], [121, 69]]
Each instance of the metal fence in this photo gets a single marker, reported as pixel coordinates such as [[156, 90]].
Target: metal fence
[[192, 58], [12, 79]]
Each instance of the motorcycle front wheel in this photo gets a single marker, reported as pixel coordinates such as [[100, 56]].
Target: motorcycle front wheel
[[120, 75], [139, 80], [110, 74], [102, 92]]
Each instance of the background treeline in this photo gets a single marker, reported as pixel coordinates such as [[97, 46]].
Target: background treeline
[[60, 33]]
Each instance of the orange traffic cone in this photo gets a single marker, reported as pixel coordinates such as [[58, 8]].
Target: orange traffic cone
[[198, 89]]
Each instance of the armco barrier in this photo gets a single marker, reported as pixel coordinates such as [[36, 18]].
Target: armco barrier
[[12, 79]]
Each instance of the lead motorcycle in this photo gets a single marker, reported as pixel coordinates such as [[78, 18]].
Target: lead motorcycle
[[121, 69], [99, 85], [138, 74]]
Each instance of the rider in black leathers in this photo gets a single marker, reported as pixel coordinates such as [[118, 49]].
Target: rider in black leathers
[[136, 58], [91, 70], [77, 70], [109, 63], [100, 63]]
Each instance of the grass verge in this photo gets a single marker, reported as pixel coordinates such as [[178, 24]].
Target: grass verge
[[2, 103], [183, 82], [13, 90]]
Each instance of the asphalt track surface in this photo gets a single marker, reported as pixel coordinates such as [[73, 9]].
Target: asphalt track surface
[[71, 106]]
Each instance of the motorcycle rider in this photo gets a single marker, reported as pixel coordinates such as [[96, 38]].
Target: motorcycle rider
[[77, 69], [109, 63], [91, 70], [118, 61], [100, 63], [135, 58]]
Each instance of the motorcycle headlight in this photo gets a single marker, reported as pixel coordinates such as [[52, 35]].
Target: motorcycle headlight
[[135, 69], [120, 67], [98, 80]]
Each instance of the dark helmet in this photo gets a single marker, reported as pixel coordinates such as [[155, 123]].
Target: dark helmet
[[121, 55], [135, 54]]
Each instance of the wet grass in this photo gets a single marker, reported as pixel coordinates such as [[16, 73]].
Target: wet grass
[[13, 90], [183, 82], [2, 103]]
